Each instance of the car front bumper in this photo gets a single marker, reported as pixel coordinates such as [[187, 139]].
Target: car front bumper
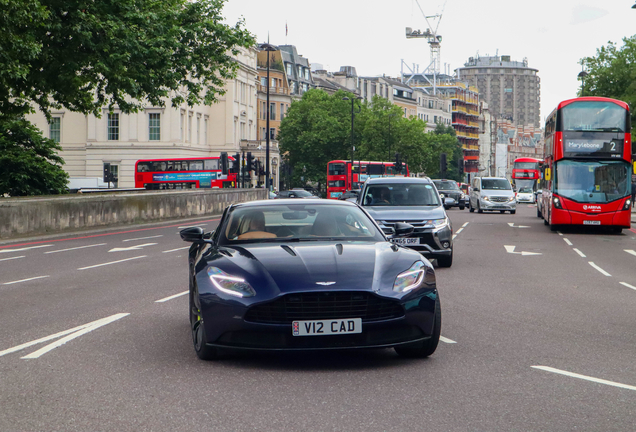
[[490, 205]]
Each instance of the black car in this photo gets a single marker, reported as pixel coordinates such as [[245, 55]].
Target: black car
[[393, 200], [452, 195], [350, 195], [296, 193], [301, 274]]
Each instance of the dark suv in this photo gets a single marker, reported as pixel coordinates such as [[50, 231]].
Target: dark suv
[[414, 201], [452, 195]]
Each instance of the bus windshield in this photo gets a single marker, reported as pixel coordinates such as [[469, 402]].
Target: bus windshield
[[586, 116], [525, 165], [592, 181]]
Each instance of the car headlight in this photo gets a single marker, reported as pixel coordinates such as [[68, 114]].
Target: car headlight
[[441, 196], [439, 222], [228, 284], [485, 198], [462, 196], [512, 198], [410, 279]]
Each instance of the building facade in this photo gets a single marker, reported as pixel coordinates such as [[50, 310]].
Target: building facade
[[511, 88]]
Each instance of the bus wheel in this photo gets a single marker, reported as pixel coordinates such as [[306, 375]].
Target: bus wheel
[[617, 230]]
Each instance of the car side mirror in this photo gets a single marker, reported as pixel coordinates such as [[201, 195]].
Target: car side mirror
[[403, 229], [192, 235]]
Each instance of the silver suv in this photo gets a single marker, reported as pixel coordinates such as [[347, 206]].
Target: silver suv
[[492, 194]]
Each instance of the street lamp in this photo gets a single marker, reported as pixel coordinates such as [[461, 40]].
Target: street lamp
[[267, 47], [390, 115], [582, 76], [353, 99]]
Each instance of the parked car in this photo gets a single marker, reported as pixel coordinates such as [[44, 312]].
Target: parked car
[[492, 194], [295, 193], [315, 192], [394, 200], [525, 194], [451, 193], [316, 274], [351, 195]]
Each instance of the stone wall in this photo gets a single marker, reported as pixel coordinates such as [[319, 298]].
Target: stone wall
[[44, 215]]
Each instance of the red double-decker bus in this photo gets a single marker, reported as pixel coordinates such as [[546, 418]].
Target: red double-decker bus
[[339, 175], [526, 173], [185, 173], [587, 164]]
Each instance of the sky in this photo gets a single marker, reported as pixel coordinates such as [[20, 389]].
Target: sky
[[370, 34]]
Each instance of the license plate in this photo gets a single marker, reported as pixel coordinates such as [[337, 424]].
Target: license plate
[[406, 241], [327, 327], [591, 222]]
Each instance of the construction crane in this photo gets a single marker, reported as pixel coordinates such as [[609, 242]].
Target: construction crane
[[434, 39]]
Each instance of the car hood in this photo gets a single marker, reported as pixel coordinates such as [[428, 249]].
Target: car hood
[[275, 268], [405, 213]]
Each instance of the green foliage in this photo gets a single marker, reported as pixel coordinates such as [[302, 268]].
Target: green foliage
[[317, 129], [612, 73], [84, 54], [29, 164]]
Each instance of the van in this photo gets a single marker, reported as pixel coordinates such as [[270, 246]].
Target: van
[[492, 194]]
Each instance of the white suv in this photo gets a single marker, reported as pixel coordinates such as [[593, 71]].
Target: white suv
[[492, 194]]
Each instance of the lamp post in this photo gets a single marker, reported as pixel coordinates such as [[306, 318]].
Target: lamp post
[[267, 48], [353, 113], [582, 76]]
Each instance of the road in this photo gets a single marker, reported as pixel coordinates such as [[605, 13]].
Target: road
[[538, 334]]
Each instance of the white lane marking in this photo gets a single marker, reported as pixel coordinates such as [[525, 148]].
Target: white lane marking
[[512, 225], [464, 226], [459, 230], [112, 262], [628, 285], [143, 238], [560, 233], [446, 340], [178, 249], [74, 248], [192, 226], [12, 258], [584, 377], [163, 300], [87, 329], [630, 251], [598, 268], [511, 250], [136, 247], [579, 252], [24, 280], [567, 241], [23, 249], [454, 235]]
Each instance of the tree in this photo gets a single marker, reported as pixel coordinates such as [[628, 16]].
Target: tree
[[84, 54], [29, 164], [612, 73]]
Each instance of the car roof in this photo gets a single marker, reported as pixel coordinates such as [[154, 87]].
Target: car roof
[[276, 202], [385, 180]]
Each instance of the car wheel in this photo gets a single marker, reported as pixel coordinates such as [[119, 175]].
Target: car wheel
[[502, 211], [513, 211], [445, 261], [204, 352], [462, 207], [538, 212], [470, 207], [617, 230], [429, 346], [479, 210]]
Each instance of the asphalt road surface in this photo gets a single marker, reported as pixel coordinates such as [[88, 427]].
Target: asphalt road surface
[[539, 333]]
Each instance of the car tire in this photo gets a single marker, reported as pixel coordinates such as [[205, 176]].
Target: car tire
[[513, 211], [462, 207], [199, 339], [502, 211], [545, 222], [617, 230], [428, 346], [445, 261], [479, 210], [470, 207], [538, 212]]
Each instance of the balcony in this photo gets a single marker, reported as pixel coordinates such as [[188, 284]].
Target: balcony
[[273, 90]]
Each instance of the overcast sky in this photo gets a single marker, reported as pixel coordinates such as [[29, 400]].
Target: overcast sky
[[370, 34]]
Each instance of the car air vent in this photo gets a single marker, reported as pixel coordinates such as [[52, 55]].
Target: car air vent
[[325, 305], [289, 250]]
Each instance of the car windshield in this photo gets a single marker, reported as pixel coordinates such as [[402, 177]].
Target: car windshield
[[446, 185], [592, 181], [301, 193], [525, 189], [401, 195], [298, 222], [495, 184]]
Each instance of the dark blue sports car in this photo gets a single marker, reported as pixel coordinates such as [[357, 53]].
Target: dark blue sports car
[[316, 274]]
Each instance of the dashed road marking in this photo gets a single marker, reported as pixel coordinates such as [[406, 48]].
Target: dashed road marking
[[163, 300], [446, 340], [178, 249], [598, 268], [12, 258], [584, 377], [464, 226], [23, 249], [567, 241], [579, 252], [630, 251], [24, 280], [628, 285], [142, 238], [560, 233], [112, 262], [74, 248]]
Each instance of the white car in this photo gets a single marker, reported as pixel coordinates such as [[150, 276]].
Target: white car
[[525, 195]]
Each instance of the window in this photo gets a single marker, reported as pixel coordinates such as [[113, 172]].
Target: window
[[282, 111], [263, 132], [273, 84], [55, 129], [272, 111], [242, 130], [205, 131], [288, 66], [307, 74], [190, 127], [181, 126], [263, 81], [113, 127], [300, 71], [154, 126], [198, 129], [114, 170], [272, 133]]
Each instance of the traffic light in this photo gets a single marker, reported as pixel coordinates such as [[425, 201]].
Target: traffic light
[[250, 162], [224, 163], [443, 166], [106, 172], [397, 164], [235, 164]]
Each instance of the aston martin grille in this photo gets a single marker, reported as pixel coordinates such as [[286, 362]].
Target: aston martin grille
[[324, 305]]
